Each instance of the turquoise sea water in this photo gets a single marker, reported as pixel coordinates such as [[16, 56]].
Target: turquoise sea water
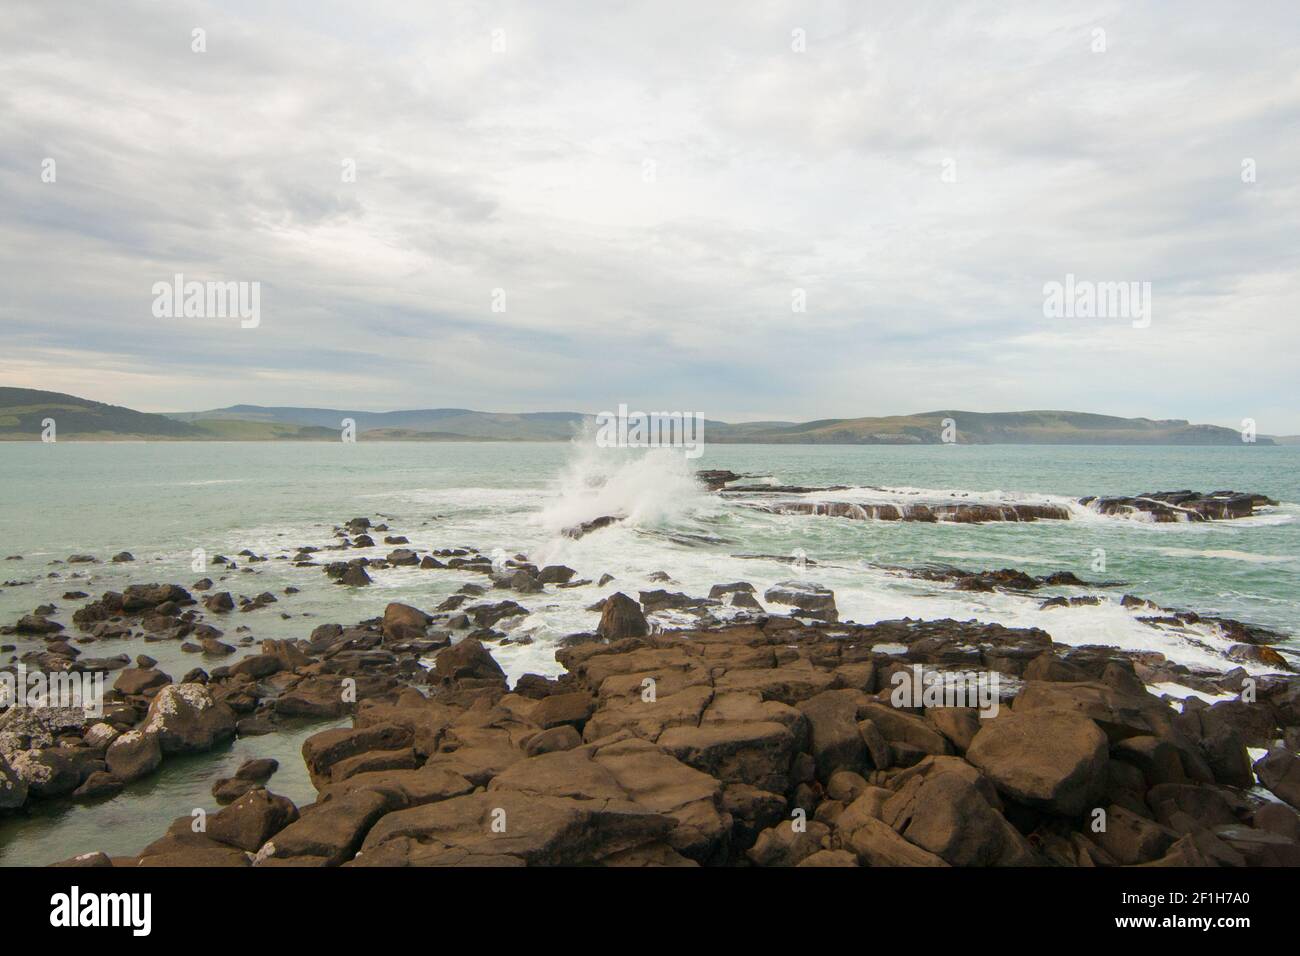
[[161, 501]]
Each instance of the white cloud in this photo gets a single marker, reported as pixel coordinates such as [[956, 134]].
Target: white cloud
[[772, 170]]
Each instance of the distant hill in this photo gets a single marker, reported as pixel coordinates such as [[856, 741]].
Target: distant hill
[[23, 409], [448, 424], [988, 428]]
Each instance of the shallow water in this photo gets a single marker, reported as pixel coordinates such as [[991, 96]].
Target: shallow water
[[161, 501]]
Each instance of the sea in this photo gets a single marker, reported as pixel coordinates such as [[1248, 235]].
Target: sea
[[168, 503]]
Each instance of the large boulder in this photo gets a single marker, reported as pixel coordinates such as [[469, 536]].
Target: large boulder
[[52, 772], [759, 753], [467, 660], [877, 844], [404, 623], [133, 755], [144, 597], [328, 832], [665, 785], [1052, 761], [621, 617], [323, 751], [1131, 839], [837, 743], [1118, 713], [947, 815], [555, 574], [252, 820], [186, 719], [556, 710], [37, 624], [138, 680], [402, 789], [510, 827], [319, 696], [807, 599], [1279, 770]]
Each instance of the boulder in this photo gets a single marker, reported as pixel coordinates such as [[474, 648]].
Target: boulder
[[186, 719], [899, 727], [556, 710], [660, 783], [1051, 761], [946, 814], [621, 617], [784, 845], [252, 820], [331, 830], [404, 623], [220, 602], [807, 599], [322, 751], [52, 772], [1279, 770], [468, 659], [137, 680], [877, 844], [1158, 759], [559, 738], [759, 754], [836, 742], [1132, 839], [511, 828], [555, 574], [355, 576], [133, 755], [37, 624], [1117, 713]]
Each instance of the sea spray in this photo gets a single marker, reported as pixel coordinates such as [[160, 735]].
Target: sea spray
[[651, 488]]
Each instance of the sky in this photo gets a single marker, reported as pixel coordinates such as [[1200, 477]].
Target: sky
[[568, 206]]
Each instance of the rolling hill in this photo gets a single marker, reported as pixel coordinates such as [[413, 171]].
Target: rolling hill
[[22, 410], [988, 428], [447, 423]]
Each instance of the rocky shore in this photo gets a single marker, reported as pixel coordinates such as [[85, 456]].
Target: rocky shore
[[767, 740], [1158, 506]]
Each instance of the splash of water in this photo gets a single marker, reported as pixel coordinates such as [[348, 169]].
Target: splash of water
[[647, 488]]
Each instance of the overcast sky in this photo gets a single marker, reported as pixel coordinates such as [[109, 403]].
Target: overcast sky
[[649, 183]]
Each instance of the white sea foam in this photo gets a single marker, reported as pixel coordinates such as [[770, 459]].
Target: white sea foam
[[1228, 554], [646, 488]]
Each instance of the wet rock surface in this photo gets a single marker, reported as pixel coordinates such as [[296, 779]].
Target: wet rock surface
[[773, 742], [1163, 506]]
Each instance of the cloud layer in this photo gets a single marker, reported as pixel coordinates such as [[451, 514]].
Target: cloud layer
[[649, 184]]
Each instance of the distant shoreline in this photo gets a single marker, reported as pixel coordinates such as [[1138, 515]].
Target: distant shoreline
[[471, 440], [36, 414]]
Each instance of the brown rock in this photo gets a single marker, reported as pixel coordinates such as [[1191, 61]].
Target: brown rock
[[1052, 761], [621, 617]]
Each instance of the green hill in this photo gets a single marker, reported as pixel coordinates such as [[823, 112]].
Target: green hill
[[23, 409], [987, 428]]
